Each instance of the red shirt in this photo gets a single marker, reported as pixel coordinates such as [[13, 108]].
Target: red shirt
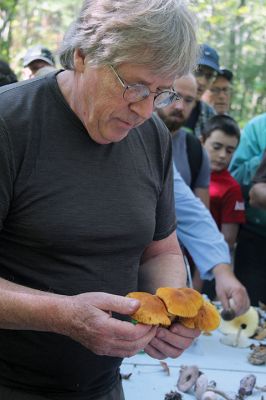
[[226, 200]]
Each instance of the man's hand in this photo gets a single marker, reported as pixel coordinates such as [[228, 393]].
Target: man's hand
[[171, 342], [89, 321], [228, 287]]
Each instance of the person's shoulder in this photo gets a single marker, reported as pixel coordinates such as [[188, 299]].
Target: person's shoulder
[[156, 126], [206, 108], [232, 182], [255, 123], [21, 95], [16, 90]]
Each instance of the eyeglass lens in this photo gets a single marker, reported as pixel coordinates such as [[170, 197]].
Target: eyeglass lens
[[137, 92]]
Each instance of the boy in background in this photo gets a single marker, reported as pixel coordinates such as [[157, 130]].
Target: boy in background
[[220, 138]]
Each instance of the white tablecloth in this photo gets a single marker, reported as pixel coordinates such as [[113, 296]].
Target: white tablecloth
[[226, 365]]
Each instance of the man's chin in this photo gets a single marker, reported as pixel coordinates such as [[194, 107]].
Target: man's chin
[[174, 125]]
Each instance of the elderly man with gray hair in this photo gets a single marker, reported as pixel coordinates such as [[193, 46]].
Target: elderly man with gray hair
[[86, 203]]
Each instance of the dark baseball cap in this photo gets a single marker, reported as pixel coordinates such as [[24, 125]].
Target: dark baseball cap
[[38, 52], [209, 57], [226, 73]]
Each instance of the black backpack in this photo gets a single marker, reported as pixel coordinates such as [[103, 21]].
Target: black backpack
[[194, 152]]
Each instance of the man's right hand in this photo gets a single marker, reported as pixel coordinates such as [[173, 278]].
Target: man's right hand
[[87, 319]]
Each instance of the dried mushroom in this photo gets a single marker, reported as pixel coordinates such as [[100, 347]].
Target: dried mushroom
[[258, 354], [188, 376], [173, 396], [247, 385]]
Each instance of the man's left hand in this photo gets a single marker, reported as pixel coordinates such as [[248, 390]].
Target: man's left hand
[[171, 342]]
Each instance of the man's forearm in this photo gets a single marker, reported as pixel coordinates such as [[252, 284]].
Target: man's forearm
[[28, 309]]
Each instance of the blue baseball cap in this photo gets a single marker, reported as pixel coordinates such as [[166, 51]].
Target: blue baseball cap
[[209, 57]]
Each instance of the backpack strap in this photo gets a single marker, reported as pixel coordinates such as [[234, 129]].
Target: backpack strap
[[194, 152]]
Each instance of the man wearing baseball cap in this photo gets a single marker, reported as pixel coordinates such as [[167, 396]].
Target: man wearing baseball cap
[[206, 73], [219, 94], [39, 60]]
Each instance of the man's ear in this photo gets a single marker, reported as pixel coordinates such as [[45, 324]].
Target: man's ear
[[79, 60]]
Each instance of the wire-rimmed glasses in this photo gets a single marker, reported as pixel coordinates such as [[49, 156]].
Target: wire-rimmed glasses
[[138, 91]]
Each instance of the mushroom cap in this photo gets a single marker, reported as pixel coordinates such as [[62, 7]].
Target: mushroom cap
[[207, 319], [249, 322], [152, 310], [182, 302]]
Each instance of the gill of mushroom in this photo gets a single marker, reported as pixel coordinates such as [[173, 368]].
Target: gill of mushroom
[[247, 385]]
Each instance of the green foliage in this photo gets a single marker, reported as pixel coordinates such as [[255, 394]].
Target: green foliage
[[236, 28], [7, 12]]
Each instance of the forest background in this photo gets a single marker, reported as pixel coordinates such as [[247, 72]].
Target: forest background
[[235, 28]]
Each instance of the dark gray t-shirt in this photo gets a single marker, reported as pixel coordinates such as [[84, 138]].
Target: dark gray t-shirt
[[75, 216]]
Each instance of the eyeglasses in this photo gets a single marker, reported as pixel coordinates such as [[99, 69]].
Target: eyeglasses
[[137, 92], [208, 74], [217, 91]]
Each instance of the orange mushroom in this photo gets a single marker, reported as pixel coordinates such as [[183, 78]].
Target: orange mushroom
[[181, 302], [207, 318], [152, 310]]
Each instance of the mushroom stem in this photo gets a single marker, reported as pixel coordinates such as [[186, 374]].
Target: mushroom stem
[[221, 393], [238, 336], [261, 388]]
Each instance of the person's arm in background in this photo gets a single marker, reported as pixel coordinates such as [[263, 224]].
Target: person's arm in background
[[198, 232], [201, 187], [257, 194], [232, 215], [249, 152], [230, 232]]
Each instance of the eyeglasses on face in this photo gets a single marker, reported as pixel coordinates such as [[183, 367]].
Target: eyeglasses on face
[[137, 92], [207, 73], [217, 91]]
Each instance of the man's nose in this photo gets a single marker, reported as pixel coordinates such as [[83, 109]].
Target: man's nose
[[178, 104], [222, 94], [143, 108], [222, 153]]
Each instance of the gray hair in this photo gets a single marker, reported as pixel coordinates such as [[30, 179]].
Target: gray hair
[[158, 33]]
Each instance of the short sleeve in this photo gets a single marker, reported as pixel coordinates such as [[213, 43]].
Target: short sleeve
[[233, 206], [203, 178], [6, 174]]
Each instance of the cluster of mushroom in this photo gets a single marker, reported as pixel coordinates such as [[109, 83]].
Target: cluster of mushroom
[[192, 380], [171, 304]]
